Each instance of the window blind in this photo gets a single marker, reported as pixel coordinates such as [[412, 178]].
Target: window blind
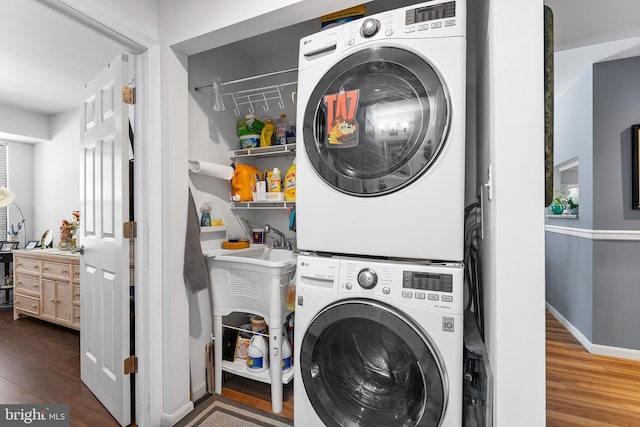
[[3, 183]]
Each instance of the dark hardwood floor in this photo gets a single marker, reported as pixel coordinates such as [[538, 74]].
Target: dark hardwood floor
[[40, 364]]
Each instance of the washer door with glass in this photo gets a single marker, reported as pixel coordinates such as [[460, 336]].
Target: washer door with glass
[[364, 363], [376, 121]]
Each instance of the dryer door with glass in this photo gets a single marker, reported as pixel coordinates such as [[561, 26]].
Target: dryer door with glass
[[365, 363], [378, 120]]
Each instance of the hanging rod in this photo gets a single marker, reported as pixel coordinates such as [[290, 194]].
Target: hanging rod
[[245, 79]]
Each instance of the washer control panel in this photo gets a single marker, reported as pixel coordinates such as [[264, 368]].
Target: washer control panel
[[429, 286]]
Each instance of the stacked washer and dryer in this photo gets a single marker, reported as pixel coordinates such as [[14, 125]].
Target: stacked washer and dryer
[[380, 220]]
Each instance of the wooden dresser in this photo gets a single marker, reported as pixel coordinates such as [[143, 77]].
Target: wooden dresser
[[47, 286]]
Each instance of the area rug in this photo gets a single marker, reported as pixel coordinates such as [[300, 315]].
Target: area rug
[[219, 411]]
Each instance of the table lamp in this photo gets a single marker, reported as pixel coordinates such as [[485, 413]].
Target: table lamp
[[7, 197]]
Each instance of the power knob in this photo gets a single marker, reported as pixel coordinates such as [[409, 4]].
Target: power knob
[[369, 27], [367, 278]]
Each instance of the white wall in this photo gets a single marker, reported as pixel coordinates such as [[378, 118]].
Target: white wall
[[56, 174], [15, 122], [510, 132]]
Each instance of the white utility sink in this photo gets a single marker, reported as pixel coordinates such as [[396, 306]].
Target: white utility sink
[[253, 280], [264, 256]]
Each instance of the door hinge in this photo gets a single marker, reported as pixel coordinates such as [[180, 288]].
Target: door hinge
[[130, 365], [129, 230], [128, 95]]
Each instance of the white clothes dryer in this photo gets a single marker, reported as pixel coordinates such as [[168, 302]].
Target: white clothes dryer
[[381, 135], [378, 343]]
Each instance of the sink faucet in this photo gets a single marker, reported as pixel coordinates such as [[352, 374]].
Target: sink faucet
[[279, 241]]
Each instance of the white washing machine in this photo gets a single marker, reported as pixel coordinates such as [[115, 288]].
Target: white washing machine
[[378, 343], [381, 135]]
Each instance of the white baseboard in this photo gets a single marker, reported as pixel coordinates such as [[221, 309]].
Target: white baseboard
[[601, 350], [169, 420], [199, 391]]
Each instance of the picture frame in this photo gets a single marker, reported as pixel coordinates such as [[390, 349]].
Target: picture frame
[[32, 244], [8, 246], [635, 167]]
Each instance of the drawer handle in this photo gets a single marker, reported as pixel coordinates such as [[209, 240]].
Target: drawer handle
[[52, 300], [35, 267], [18, 302], [19, 264], [76, 294], [35, 285], [34, 306], [64, 271], [18, 282]]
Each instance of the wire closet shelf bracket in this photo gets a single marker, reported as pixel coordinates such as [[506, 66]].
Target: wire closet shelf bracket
[[250, 98]]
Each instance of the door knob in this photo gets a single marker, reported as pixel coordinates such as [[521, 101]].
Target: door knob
[[79, 250]]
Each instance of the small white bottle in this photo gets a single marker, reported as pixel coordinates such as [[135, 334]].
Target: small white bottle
[[275, 183]]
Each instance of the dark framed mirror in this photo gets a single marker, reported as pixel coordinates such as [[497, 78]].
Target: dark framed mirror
[[635, 167]]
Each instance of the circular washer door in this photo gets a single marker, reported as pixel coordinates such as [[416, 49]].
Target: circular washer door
[[376, 121], [364, 363]]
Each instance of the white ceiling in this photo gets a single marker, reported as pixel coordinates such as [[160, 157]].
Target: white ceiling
[[580, 23], [46, 57], [589, 31]]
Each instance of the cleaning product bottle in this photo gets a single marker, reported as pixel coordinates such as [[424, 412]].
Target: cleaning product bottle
[[266, 135], [284, 130], [286, 353], [205, 221], [275, 183], [291, 296], [257, 354], [290, 183]]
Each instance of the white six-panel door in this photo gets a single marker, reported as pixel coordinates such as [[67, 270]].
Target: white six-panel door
[[104, 266]]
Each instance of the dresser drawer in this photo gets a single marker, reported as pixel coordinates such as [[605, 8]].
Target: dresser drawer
[[27, 284], [26, 303], [75, 273], [57, 270], [27, 265]]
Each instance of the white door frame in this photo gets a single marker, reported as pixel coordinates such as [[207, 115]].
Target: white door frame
[[148, 201]]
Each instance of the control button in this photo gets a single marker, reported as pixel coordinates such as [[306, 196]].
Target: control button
[[367, 278], [388, 32], [410, 30], [386, 290], [351, 42], [406, 294], [349, 286], [434, 297], [423, 27], [436, 25], [369, 27], [450, 23], [447, 298], [420, 295]]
